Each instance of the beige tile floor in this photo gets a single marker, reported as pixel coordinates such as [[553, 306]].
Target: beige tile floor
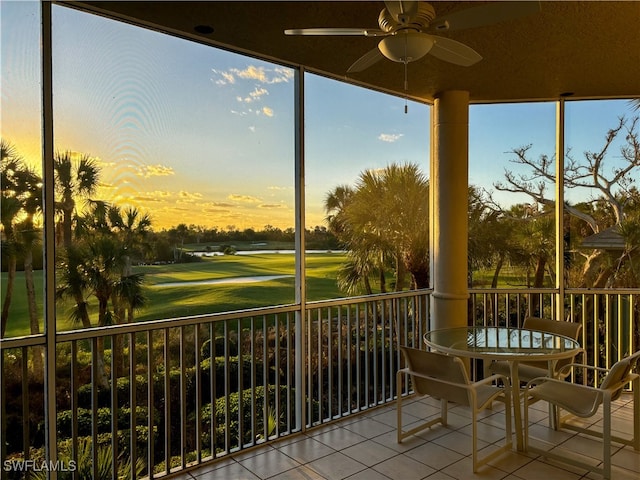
[[364, 447]]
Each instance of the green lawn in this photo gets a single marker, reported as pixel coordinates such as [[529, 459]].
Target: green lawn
[[180, 301]]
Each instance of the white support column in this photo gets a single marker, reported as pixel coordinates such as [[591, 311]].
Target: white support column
[[449, 185]]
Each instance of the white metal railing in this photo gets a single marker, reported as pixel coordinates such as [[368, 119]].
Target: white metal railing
[[192, 390]]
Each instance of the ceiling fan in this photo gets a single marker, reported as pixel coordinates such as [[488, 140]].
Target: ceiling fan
[[407, 28]]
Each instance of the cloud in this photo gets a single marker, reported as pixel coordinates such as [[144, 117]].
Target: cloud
[[258, 92], [155, 196], [252, 74], [215, 210], [253, 95], [267, 76], [243, 198], [390, 137], [217, 207], [271, 205], [283, 75], [147, 171], [263, 75], [220, 205], [188, 196], [225, 78]]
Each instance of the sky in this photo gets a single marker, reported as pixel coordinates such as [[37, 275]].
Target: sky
[[193, 134]]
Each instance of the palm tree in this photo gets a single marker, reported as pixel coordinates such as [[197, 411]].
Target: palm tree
[[335, 204], [383, 221], [74, 179], [133, 229], [364, 251], [72, 283], [393, 205], [99, 264], [21, 200], [10, 208]]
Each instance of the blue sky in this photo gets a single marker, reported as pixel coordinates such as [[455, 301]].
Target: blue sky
[[198, 135]]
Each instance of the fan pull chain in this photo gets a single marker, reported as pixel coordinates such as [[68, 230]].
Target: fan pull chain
[[406, 69], [406, 87]]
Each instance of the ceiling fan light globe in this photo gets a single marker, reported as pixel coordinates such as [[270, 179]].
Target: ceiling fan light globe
[[405, 47]]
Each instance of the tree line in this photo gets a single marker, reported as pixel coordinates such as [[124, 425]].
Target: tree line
[[382, 221]]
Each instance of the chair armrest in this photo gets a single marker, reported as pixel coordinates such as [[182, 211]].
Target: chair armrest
[[582, 365], [540, 380], [493, 378], [484, 381]]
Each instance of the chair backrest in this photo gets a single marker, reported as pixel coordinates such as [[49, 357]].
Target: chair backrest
[[567, 329], [439, 367], [620, 374]]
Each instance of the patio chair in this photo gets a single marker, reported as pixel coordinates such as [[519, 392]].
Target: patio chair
[[445, 377], [529, 370], [585, 401]]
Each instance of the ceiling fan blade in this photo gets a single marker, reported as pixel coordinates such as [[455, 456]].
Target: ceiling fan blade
[[362, 32], [453, 52], [484, 15], [365, 61]]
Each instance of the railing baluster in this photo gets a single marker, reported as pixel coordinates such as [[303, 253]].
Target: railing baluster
[[212, 388], [349, 352], [252, 354], [73, 381], [133, 405], [114, 406], [330, 386], [167, 403], [94, 406], [25, 401], [197, 359], [241, 426], [339, 348], [150, 406], [183, 397]]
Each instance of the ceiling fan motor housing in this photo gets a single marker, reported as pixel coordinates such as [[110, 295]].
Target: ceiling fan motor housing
[[418, 21]]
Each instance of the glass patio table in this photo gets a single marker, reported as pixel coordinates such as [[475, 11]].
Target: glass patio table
[[513, 345]]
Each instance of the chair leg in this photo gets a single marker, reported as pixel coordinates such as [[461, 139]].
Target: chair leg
[[553, 417], [507, 412], [444, 410], [474, 440], [636, 413], [606, 436], [525, 416], [399, 406]]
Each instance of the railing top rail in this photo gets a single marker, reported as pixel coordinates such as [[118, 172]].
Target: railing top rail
[[170, 323], [19, 342], [368, 298], [568, 291], [33, 340]]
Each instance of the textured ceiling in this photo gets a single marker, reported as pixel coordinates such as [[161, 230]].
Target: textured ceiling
[[590, 49]]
